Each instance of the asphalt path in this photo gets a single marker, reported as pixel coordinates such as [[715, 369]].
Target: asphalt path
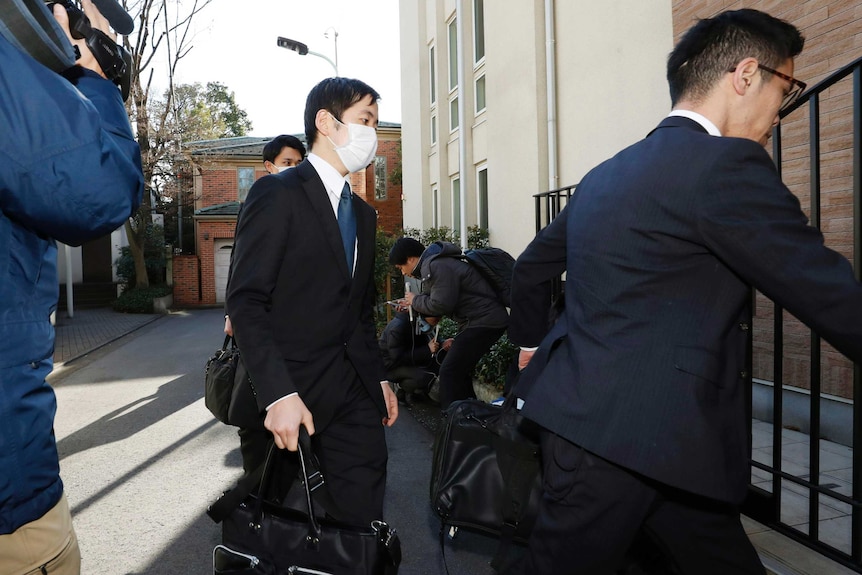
[[142, 458]]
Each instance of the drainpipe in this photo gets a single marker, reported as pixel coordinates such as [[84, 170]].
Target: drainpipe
[[551, 89], [462, 128]]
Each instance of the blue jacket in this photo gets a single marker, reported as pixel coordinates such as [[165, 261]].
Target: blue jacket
[[69, 170]]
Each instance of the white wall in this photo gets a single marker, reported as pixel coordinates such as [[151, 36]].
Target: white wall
[[611, 90]]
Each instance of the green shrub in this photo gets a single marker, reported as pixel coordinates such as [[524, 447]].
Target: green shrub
[[494, 365], [154, 257], [476, 237], [140, 300]]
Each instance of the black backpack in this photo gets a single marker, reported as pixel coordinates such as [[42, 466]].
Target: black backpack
[[496, 266]]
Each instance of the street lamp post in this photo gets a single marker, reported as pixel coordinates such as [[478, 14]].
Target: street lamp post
[[303, 50], [335, 41]]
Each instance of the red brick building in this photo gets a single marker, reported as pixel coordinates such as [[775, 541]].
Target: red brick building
[[225, 170]]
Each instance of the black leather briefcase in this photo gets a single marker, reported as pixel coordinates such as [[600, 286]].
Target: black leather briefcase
[[486, 471]]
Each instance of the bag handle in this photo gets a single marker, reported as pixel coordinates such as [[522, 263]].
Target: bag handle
[[305, 464], [311, 479], [228, 340]]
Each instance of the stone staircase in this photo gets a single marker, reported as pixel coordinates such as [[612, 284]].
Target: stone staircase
[[89, 295]]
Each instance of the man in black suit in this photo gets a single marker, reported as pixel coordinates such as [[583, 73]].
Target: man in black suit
[[301, 297], [639, 384]]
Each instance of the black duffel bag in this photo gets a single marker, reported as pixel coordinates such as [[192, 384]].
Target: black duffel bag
[[263, 538], [229, 393], [486, 472]]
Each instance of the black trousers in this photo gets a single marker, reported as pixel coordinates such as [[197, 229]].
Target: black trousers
[[592, 511], [411, 379], [352, 454], [456, 371]]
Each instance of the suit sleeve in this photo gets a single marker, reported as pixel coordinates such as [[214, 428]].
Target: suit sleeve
[[751, 221], [543, 260], [261, 236], [69, 165]]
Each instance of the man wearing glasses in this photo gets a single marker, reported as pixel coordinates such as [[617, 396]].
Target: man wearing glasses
[[640, 385]]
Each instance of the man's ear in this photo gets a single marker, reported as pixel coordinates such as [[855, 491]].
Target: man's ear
[[323, 122], [743, 76]]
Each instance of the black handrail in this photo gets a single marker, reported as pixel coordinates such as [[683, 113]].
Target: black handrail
[[764, 506]]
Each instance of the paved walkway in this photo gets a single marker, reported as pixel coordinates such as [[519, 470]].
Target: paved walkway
[[90, 329]]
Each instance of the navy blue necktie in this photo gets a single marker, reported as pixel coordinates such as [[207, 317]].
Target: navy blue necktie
[[347, 224]]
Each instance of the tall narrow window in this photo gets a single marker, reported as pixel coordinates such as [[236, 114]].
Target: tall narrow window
[[453, 114], [456, 204], [435, 207], [479, 29], [380, 177], [432, 73], [433, 130], [482, 193], [245, 179], [453, 55], [480, 93]]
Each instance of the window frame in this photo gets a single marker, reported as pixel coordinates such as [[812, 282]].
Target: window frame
[[456, 203], [476, 107], [378, 196], [482, 195], [240, 194], [478, 31]]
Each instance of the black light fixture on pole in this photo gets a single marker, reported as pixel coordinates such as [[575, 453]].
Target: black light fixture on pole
[[303, 50]]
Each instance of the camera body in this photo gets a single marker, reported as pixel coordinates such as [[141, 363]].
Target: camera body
[[115, 61]]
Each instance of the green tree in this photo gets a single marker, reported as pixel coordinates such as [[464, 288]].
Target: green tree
[[205, 112]]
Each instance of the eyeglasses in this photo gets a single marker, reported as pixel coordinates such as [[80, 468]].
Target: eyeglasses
[[796, 86]]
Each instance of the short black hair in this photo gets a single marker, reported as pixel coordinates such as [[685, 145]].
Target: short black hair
[[274, 147], [405, 248], [335, 95], [714, 46]]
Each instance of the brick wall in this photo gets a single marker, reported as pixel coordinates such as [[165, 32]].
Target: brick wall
[[389, 210], [186, 278], [219, 185], [833, 32]]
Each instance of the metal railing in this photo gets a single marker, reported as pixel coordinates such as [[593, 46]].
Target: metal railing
[[763, 505], [766, 505], [550, 204]]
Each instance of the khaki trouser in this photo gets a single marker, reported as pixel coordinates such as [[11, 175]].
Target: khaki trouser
[[47, 545]]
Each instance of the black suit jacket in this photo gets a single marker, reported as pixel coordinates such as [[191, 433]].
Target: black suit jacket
[[660, 245], [299, 318]]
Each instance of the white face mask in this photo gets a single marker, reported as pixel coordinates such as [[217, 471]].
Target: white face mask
[[360, 147], [282, 168]]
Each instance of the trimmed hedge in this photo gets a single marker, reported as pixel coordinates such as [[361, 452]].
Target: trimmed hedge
[[140, 300]]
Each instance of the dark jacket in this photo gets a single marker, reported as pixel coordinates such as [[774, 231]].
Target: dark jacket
[[401, 346], [69, 169], [298, 314], [454, 288], [660, 245]]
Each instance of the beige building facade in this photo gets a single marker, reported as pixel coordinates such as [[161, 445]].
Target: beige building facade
[[477, 119]]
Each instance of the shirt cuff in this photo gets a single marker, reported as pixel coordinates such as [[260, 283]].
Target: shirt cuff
[[529, 348], [268, 407]]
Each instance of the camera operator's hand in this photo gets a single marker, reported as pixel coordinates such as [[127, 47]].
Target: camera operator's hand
[[96, 21]]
